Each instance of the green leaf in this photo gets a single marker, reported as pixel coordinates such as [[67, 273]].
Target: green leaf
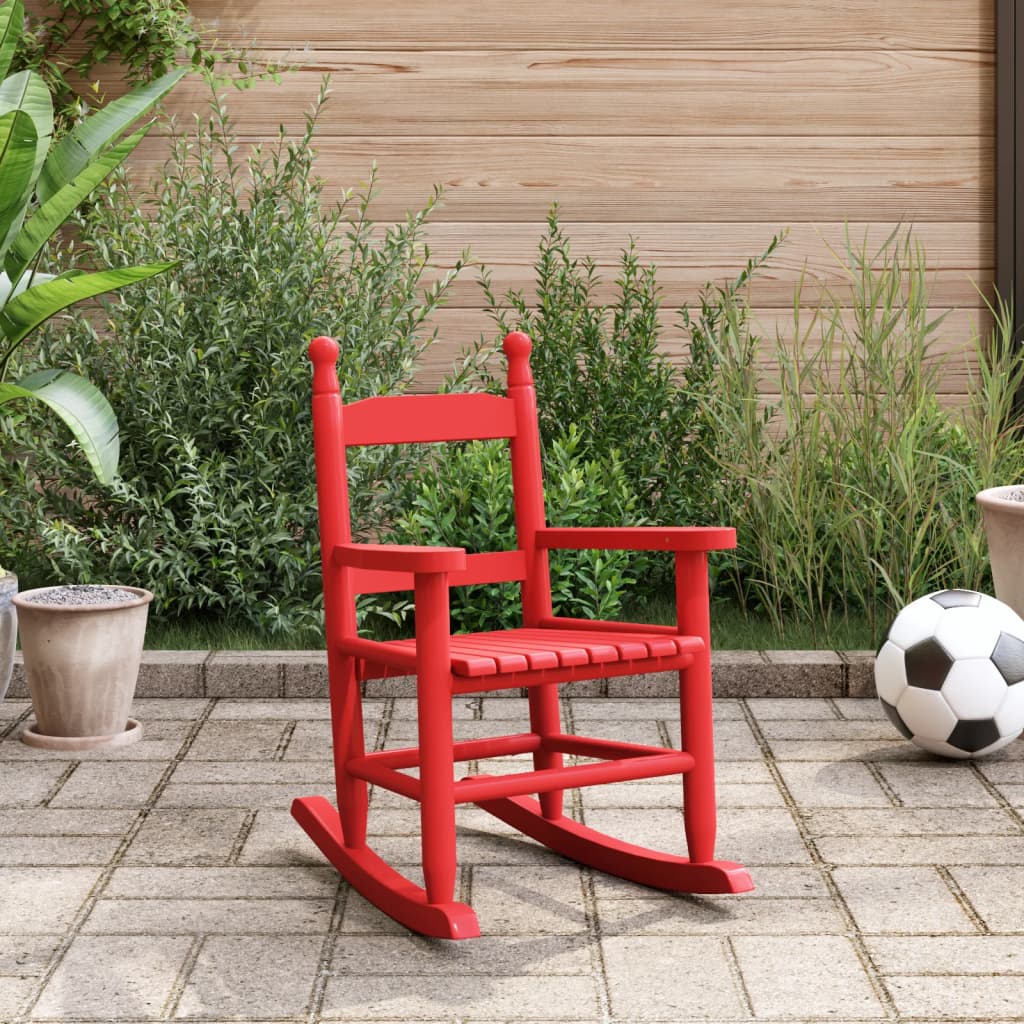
[[17, 166], [28, 310], [74, 152], [82, 407], [52, 214], [12, 18], [28, 92]]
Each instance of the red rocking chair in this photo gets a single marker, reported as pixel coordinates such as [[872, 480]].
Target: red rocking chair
[[546, 651]]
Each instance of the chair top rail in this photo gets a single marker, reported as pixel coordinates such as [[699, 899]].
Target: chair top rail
[[415, 419]]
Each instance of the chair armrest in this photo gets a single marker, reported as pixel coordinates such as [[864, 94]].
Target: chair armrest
[[399, 557], [638, 538]]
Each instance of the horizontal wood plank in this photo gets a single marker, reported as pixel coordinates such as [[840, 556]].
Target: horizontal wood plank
[[910, 24], [959, 256], [460, 329], [672, 180], [609, 92]]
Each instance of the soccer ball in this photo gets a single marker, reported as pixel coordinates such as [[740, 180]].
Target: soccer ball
[[950, 674]]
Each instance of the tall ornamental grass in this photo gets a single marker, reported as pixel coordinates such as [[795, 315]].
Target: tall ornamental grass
[[858, 484]]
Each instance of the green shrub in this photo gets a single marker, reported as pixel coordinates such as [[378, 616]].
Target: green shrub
[[462, 497], [858, 487], [206, 367], [598, 367]]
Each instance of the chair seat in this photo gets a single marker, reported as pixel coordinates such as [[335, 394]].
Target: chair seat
[[521, 650]]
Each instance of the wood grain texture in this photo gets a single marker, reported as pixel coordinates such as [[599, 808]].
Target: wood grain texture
[[624, 93], [461, 329], [668, 179], [689, 255], [706, 24]]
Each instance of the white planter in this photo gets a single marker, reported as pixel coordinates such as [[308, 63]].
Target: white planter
[[1002, 510], [81, 665], [8, 629]]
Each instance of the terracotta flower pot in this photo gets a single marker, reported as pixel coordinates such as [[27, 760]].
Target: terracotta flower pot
[[1002, 510], [8, 628], [81, 665]]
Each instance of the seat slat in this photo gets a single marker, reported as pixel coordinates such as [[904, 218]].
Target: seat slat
[[423, 419], [521, 650]]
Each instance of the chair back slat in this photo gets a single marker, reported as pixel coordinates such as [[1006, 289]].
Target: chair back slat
[[408, 419], [489, 567]]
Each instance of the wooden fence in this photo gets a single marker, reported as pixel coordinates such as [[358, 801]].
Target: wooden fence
[[698, 128]]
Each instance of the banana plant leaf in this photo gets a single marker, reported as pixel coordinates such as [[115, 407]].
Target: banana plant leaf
[[25, 312], [71, 154], [17, 166], [82, 407], [51, 215], [12, 18]]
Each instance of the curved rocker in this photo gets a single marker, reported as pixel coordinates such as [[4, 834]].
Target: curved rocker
[[616, 857], [373, 878]]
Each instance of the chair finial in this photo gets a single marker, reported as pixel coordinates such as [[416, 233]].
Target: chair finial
[[517, 348], [324, 354]]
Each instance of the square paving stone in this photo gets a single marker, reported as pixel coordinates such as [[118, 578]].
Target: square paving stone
[[674, 914], [49, 821], [487, 956], [544, 901], [827, 729], [149, 710], [238, 741], [912, 900], [189, 837], [769, 709], [669, 978], [968, 998], [948, 850], [11, 710], [27, 785], [246, 916], [14, 995], [858, 708], [276, 838], [750, 836], [908, 821], [26, 956], [236, 795], [835, 751], [280, 709], [66, 850], [257, 976], [42, 900], [223, 883], [311, 740], [818, 977], [996, 893], [733, 740], [108, 975], [833, 784], [109, 785], [483, 998], [936, 785], [953, 955]]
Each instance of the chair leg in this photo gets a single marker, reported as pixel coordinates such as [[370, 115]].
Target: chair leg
[[348, 743], [699, 806], [434, 723], [545, 720]]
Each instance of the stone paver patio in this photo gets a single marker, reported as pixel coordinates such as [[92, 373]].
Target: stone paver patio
[[167, 880]]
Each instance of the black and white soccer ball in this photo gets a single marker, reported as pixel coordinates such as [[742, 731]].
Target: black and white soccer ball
[[950, 674]]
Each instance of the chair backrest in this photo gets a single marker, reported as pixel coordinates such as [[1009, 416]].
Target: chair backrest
[[411, 419]]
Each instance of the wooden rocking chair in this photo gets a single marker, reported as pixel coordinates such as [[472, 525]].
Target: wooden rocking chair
[[546, 651]]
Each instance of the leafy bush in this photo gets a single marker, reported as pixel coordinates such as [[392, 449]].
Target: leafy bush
[[599, 367], [462, 497], [206, 368], [858, 487]]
